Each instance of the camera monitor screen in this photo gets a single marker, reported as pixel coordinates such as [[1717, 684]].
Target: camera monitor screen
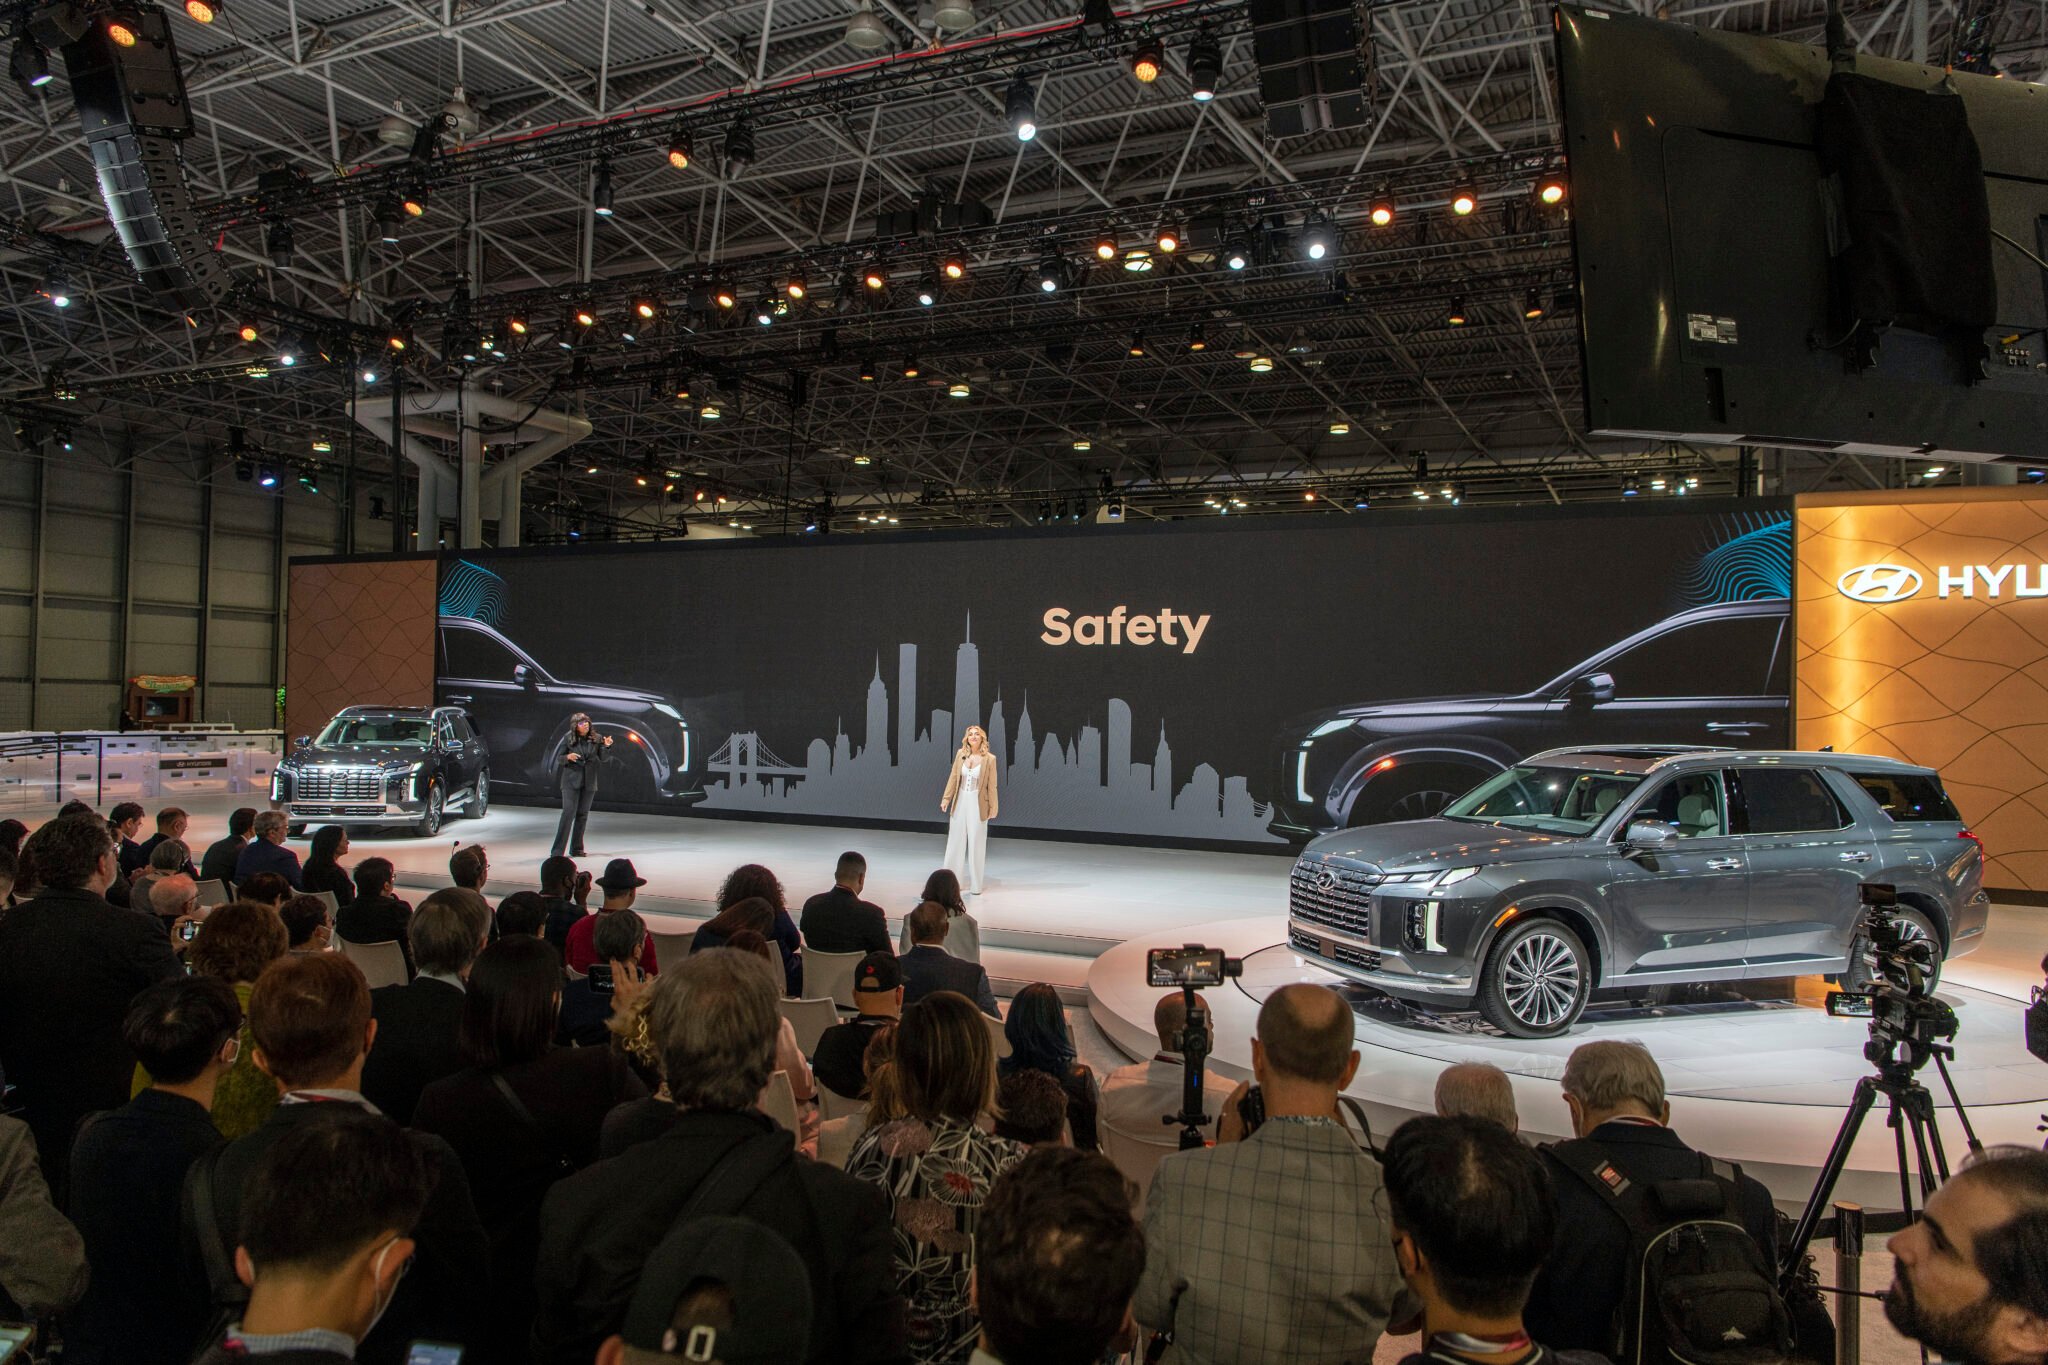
[[1185, 967], [1703, 246]]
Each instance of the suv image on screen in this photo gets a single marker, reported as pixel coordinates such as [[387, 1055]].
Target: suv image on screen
[[1713, 675], [1609, 869], [386, 765], [525, 711]]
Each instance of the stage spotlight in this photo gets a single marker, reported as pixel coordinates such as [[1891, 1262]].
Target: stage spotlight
[[1205, 66], [680, 148], [867, 370], [288, 348], [585, 316], [414, 203], [1464, 200], [710, 411], [1083, 443], [601, 192], [739, 147], [1340, 426], [1138, 260], [1630, 488], [309, 478], [390, 218], [203, 11], [56, 289], [1051, 274], [516, 325], [124, 28], [1198, 340], [875, 278], [959, 389], [266, 477], [725, 296], [1381, 211], [764, 311], [278, 243], [1168, 239], [1532, 305], [795, 286], [954, 267], [1316, 237], [1105, 247], [369, 376], [1021, 108], [1550, 188], [910, 367], [1457, 317], [399, 339], [1260, 364], [31, 65], [1147, 60], [1137, 345], [927, 291], [645, 309], [1236, 255]]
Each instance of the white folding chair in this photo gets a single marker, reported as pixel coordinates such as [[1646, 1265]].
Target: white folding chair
[[830, 975], [383, 964], [669, 949], [333, 905], [1002, 1040], [833, 1105], [1137, 1160], [808, 1019], [213, 891], [778, 1102]]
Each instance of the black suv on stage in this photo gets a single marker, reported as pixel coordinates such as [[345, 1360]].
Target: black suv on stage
[[1614, 868], [386, 765], [525, 710], [1712, 675]]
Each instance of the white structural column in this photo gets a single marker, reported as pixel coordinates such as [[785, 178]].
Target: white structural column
[[463, 421]]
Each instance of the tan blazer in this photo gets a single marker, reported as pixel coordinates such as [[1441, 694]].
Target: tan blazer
[[989, 804]]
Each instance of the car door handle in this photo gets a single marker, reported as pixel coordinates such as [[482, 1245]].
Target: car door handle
[[1859, 856], [464, 696], [1733, 727], [1724, 864]]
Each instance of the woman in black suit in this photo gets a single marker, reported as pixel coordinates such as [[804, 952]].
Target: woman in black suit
[[323, 870], [580, 760], [523, 1114]]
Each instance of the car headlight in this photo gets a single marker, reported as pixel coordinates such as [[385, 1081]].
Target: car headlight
[[668, 710], [1454, 876], [1329, 727]]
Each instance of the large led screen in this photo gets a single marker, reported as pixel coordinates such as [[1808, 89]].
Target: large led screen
[[1246, 683]]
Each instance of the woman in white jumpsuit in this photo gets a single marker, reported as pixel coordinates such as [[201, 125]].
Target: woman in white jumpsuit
[[971, 796]]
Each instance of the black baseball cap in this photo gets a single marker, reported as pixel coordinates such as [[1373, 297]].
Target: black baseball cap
[[769, 1322], [878, 971], [619, 875]]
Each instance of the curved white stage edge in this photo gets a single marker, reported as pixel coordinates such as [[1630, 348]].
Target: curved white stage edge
[[1762, 1083]]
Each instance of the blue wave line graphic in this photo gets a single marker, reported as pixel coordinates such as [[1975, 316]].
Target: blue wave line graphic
[[473, 592], [1750, 565]]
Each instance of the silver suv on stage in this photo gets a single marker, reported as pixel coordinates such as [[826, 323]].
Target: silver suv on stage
[[1612, 868]]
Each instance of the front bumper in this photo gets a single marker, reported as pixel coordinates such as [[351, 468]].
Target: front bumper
[[353, 812], [1430, 977], [1973, 916]]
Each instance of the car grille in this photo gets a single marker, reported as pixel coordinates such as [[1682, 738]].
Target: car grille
[[300, 808], [1332, 894], [338, 784], [1364, 959]]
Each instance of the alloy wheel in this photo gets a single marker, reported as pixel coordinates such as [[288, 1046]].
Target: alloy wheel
[[1540, 980]]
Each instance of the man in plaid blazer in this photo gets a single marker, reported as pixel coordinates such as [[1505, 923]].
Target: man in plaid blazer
[[1277, 1247]]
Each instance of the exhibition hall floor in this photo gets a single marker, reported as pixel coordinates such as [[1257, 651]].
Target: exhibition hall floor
[[1762, 1078]]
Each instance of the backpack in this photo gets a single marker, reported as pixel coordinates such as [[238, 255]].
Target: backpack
[[1699, 1291]]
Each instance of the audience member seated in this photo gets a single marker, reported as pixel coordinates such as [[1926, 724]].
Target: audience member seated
[[265, 852], [117, 889], [126, 819], [1031, 1108], [839, 921], [566, 892], [789, 1058], [621, 886], [713, 1021], [323, 870], [1968, 1283], [935, 1165], [838, 1059], [588, 1004], [221, 856], [1276, 1247], [1039, 1041], [70, 965], [171, 824], [521, 1114], [306, 924], [235, 944], [43, 1268], [10, 866], [929, 968], [1137, 1099], [750, 880], [524, 913], [1615, 1092], [174, 899], [963, 933], [265, 888], [167, 858], [1057, 1258], [1480, 1090], [720, 1289], [1472, 1218], [128, 1168], [418, 1024], [328, 1233], [12, 832], [469, 868], [751, 916], [310, 1019], [376, 915]]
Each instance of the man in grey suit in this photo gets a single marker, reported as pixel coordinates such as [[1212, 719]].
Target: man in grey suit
[[1277, 1247], [928, 967]]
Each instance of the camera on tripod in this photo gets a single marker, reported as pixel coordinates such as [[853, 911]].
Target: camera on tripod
[[1189, 967], [1899, 1004]]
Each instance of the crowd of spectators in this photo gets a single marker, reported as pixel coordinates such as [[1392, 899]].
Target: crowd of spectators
[[548, 1145]]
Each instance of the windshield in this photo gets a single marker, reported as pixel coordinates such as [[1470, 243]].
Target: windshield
[[408, 731], [1558, 800]]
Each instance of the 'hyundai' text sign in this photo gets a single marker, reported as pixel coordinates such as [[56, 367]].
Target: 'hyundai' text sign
[[1882, 583]]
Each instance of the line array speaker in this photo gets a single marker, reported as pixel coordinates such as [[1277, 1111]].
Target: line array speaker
[[1310, 76]]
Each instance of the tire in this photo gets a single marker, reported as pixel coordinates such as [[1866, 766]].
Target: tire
[[1859, 977], [480, 799], [430, 821], [1536, 981]]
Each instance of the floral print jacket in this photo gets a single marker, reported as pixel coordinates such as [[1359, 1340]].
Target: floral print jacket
[[935, 1177]]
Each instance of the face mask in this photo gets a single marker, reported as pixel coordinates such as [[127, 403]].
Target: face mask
[[376, 1278]]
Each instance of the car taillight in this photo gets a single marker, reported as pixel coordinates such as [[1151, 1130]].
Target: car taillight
[[1966, 834]]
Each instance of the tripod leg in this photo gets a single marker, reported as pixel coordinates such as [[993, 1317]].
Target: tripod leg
[[1898, 1121], [1830, 1171], [1926, 1135]]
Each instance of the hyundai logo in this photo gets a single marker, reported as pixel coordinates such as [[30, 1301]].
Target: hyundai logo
[[1325, 878], [1879, 583]]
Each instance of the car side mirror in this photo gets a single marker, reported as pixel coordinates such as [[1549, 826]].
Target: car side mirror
[[522, 675], [303, 742], [1647, 836], [1591, 689]]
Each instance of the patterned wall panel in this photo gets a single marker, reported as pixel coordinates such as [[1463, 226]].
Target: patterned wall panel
[[358, 634], [1923, 634]]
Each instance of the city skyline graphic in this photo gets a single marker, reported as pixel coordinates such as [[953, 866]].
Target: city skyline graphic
[[1046, 782]]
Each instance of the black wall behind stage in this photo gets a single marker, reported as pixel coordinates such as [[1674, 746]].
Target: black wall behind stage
[[828, 678]]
